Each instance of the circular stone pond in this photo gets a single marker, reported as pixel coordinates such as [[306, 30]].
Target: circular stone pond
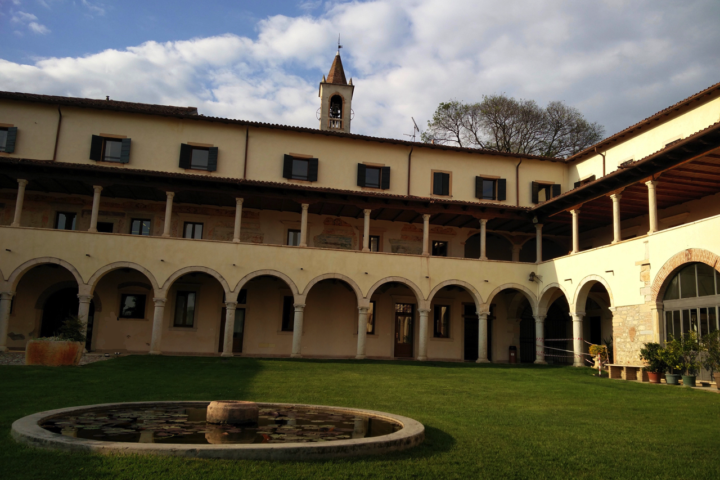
[[282, 431]]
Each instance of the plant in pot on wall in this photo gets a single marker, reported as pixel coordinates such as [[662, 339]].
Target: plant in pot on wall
[[670, 355], [64, 349], [656, 366], [690, 349], [711, 359]]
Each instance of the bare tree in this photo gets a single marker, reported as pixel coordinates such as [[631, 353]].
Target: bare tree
[[504, 124]]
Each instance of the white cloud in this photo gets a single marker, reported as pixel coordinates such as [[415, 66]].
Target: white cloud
[[617, 61], [96, 8], [30, 20]]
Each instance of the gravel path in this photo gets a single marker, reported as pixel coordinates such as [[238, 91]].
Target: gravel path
[[18, 358]]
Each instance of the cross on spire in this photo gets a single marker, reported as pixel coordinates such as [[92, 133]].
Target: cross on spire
[[339, 46]]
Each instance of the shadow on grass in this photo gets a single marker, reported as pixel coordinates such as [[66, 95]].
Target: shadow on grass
[[415, 363]]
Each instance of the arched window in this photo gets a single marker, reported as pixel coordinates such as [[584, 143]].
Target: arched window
[[336, 106], [691, 301]]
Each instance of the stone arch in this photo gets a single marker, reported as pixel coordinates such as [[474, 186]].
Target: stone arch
[[40, 303], [549, 295], [422, 303], [264, 273], [337, 276], [507, 286], [461, 283], [671, 267], [25, 267], [209, 271], [581, 293], [100, 273]]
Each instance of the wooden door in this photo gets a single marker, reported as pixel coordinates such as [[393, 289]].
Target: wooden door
[[404, 319]]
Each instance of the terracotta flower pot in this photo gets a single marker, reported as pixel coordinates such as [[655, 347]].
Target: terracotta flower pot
[[53, 353], [654, 377]]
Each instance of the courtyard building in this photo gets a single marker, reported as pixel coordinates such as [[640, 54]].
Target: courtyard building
[[171, 232]]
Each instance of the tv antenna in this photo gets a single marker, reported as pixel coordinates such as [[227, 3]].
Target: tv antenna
[[415, 130]]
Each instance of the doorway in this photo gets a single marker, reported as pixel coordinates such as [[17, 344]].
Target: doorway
[[238, 331], [57, 308], [404, 317], [472, 330]]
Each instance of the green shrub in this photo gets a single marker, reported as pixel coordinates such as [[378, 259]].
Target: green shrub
[[73, 329], [650, 353]]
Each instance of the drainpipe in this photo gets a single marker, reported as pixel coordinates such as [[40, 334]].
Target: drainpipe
[[517, 184], [409, 165], [57, 134]]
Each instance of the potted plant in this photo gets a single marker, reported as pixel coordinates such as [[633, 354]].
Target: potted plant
[[64, 349], [690, 348], [600, 354], [670, 355], [711, 359], [656, 366]]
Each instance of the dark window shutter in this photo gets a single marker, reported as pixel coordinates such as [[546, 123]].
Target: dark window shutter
[[591, 178], [535, 192], [185, 155], [361, 175], [437, 183], [125, 151], [96, 148], [287, 166], [212, 159], [576, 184], [385, 180], [10, 140], [312, 169], [501, 189], [478, 187], [555, 191], [445, 184]]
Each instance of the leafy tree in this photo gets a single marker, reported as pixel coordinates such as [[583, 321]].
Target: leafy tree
[[505, 124]]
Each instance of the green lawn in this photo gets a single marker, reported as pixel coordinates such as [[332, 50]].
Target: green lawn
[[484, 421]]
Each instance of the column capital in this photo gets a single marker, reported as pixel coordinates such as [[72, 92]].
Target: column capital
[[239, 200], [170, 194], [363, 309], [230, 305], [423, 311], [367, 212], [651, 184], [482, 315], [615, 197], [305, 206], [539, 318], [575, 211], [7, 295], [483, 221], [299, 307], [426, 217], [159, 301], [577, 316], [22, 182], [538, 226], [97, 188], [84, 298]]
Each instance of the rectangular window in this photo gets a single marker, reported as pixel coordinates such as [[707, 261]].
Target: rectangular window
[[140, 226], [65, 220], [300, 169], [110, 149], [288, 314], [3, 138], [485, 188], [193, 230], [372, 177], [591, 178], [442, 321], [199, 158], [132, 305], [441, 183], [375, 243], [293, 238], [439, 249], [543, 191], [8, 136], [185, 309], [371, 319], [196, 157], [105, 227]]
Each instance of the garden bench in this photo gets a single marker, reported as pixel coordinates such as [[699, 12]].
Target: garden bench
[[628, 372]]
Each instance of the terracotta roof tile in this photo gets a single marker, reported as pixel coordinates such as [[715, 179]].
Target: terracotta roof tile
[[337, 74]]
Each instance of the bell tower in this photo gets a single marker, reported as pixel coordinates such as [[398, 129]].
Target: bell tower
[[335, 98]]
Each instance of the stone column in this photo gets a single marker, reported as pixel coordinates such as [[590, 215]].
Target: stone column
[[575, 230], [652, 206], [5, 302], [229, 329], [516, 253], [95, 208], [168, 214], [538, 243], [422, 350], [366, 231], [157, 326], [483, 237], [482, 339], [297, 330], [578, 339], [362, 332], [303, 224], [615, 197], [19, 202], [426, 235], [540, 339], [238, 218], [84, 309]]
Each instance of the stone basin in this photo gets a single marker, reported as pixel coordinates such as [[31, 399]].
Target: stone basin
[[232, 411]]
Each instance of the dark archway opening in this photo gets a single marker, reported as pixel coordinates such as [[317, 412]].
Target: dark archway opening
[[336, 105], [497, 248], [558, 334], [58, 307], [527, 335], [550, 248]]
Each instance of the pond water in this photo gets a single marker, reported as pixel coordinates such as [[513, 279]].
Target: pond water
[[188, 425]]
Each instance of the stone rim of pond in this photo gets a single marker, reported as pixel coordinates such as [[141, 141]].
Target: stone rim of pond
[[27, 430]]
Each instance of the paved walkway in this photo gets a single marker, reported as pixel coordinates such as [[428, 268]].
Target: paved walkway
[[18, 358]]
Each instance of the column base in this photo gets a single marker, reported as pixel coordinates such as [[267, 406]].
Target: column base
[[421, 359], [236, 241], [540, 362], [578, 365], [359, 357], [3, 349], [226, 354], [483, 258], [482, 360], [366, 250], [155, 353], [14, 224], [295, 355]]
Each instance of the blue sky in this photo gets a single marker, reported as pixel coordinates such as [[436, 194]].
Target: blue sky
[[618, 61]]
